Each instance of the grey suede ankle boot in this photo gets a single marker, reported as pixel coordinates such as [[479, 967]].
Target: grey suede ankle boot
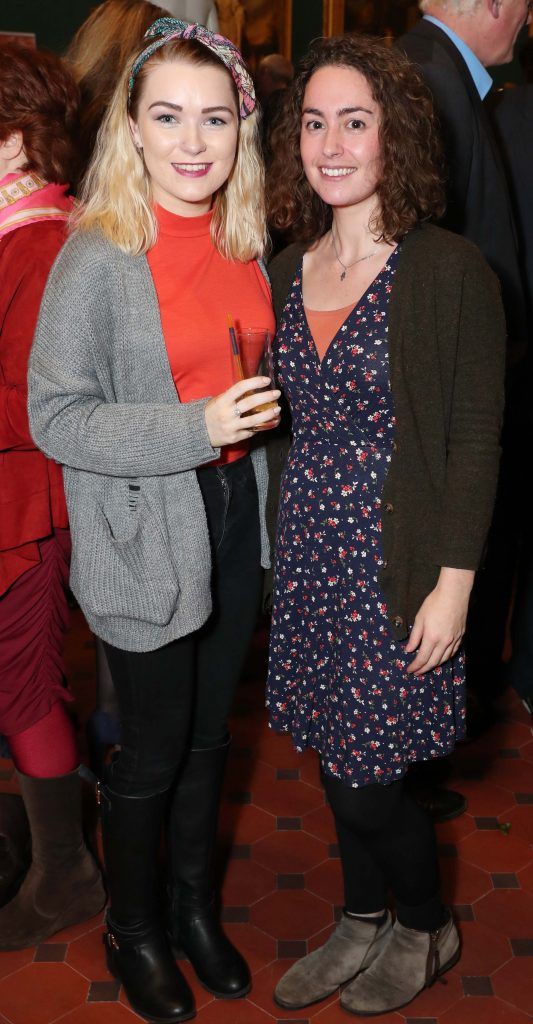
[[351, 948], [409, 962]]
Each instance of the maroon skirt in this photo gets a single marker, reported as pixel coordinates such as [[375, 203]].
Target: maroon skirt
[[34, 617]]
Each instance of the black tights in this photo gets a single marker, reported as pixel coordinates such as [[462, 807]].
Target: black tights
[[386, 840]]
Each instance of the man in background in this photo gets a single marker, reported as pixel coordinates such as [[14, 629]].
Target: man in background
[[453, 45]]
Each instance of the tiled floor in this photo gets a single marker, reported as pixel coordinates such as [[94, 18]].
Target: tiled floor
[[282, 888]]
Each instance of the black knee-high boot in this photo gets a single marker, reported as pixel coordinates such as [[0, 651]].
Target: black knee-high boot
[[194, 921], [137, 948]]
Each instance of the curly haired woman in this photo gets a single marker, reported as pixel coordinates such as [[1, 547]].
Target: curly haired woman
[[390, 352]]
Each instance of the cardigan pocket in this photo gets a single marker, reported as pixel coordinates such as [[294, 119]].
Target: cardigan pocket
[[122, 564]]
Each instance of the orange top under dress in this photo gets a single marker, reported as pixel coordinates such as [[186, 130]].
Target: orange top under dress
[[324, 324], [197, 288]]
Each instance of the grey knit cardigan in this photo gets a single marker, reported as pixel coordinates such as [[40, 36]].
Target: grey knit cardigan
[[103, 403]]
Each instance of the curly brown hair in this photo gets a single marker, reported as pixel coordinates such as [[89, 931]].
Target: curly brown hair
[[39, 98], [411, 187]]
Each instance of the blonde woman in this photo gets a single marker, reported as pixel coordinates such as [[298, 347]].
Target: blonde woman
[[165, 495]]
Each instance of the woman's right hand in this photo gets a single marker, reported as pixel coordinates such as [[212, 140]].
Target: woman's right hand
[[225, 415]]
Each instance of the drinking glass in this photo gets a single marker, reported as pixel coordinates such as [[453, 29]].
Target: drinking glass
[[255, 350]]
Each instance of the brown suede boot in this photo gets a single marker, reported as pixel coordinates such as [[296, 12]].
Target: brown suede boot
[[15, 845], [409, 962], [63, 885]]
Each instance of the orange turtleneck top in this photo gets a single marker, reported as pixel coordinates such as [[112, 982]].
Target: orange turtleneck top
[[196, 289]]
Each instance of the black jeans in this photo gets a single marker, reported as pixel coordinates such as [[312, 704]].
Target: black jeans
[[179, 696]]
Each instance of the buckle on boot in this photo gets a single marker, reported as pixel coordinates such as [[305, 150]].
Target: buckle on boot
[[110, 939], [102, 795]]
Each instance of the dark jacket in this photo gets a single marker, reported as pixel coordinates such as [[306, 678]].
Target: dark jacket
[[478, 203], [446, 350], [514, 121]]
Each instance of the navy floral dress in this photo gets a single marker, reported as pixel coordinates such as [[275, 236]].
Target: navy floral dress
[[337, 677]]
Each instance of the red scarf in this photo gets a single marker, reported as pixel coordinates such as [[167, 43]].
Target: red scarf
[[25, 199]]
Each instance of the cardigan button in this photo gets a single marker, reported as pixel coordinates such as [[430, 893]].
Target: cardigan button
[[384, 564], [394, 446], [398, 621], [389, 508]]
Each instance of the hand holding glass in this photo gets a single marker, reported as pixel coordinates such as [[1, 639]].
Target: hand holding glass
[[255, 352]]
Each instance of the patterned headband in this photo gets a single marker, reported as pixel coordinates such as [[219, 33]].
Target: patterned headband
[[171, 28]]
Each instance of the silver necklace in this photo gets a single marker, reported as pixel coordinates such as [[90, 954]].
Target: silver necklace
[[346, 267]]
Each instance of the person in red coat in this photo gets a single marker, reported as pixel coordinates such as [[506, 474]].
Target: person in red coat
[[38, 119]]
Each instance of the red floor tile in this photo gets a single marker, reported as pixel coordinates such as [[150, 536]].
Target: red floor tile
[[509, 912], [266, 873], [77, 930], [494, 850], [514, 983], [527, 751], [326, 881], [289, 853], [514, 775], [510, 732], [483, 950], [11, 962], [288, 799], [484, 799], [320, 824], [40, 993], [482, 1010], [245, 824], [100, 1013], [334, 1014], [521, 819], [310, 769], [277, 750], [291, 914], [261, 774], [525, 878], [463, 882], [241, 1011], [245, 883], [86, 955]]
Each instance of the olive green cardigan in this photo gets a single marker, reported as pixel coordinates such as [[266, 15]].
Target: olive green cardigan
[[446, 349]]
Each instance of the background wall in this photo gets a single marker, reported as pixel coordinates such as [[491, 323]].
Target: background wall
[[53, 21], [306, 25]]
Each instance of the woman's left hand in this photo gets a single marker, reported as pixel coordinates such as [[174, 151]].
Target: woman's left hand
[[440, 623]]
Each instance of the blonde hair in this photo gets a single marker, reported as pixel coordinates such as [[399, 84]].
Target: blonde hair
[[116, 194], [102, 44]]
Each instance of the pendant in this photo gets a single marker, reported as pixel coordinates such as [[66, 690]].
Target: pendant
[[343, 275]]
